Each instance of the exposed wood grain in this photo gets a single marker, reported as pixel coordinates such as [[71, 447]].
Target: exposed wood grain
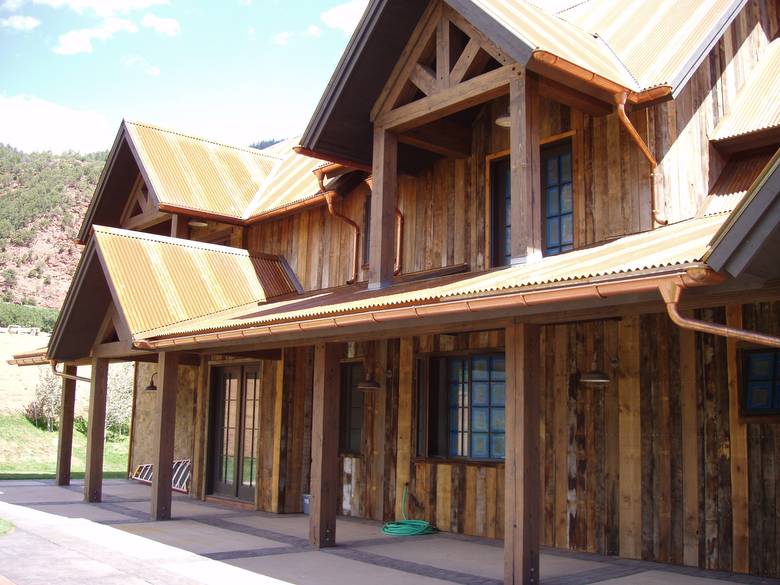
[[690, 447], [405, 413], [164, 429], [65, 439], [93, 476]]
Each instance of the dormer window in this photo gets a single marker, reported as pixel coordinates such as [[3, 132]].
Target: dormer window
[[557, 198]]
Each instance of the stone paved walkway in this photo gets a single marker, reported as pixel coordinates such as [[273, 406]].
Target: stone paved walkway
[[61, 539]]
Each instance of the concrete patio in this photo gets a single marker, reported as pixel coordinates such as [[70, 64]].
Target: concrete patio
[[61, 539]]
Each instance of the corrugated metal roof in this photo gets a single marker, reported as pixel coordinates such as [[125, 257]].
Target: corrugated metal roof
[[293, 180], [197, 174], [757, 106], [227, 181], [674, 246], [735, 180], [36, 357], [158, 281], [658, 42]]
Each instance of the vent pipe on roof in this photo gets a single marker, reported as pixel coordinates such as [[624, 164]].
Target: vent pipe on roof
[[620, 105]]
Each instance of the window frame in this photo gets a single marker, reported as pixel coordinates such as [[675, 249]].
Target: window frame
[[366, 236], [552, 146], [490, 207], [347, 387], [422, 418], [755, 415]]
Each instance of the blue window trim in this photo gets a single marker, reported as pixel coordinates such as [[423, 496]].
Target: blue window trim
[[760, 373], [553, 209]]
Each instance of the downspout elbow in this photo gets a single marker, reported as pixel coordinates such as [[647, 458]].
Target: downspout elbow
[[620, 107], [68, 376], [672, 292]]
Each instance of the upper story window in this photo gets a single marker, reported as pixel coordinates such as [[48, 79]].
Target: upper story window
[[500, 205], [366, 228], [760, 382], [557, 198], [461, 406], [351, 419]]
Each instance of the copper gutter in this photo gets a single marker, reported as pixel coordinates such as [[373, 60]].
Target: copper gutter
[[591, 291], [672, 292], [597, 80], [317, 199], [399, 236], [620, 105], [68, 376]]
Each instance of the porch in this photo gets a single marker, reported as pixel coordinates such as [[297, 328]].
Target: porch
[[271, 545]]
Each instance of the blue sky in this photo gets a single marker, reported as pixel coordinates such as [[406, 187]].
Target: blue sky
[[233, 70]]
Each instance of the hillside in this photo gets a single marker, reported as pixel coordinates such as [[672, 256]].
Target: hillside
[[43, 198]]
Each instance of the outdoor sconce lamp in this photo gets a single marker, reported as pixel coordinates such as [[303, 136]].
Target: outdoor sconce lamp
[[151, 387], [596, 377], [504, 120]]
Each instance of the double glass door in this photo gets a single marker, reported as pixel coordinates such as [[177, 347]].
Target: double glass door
[[234, 433]]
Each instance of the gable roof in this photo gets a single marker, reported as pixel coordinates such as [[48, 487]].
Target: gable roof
[[156, 281], [637, 47], [200, 177], [757, 107]]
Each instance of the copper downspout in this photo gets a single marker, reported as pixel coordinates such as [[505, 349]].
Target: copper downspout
[[672, 292], [517, 300], [68, 376], [330, 196], [620, 103], [399, 236]]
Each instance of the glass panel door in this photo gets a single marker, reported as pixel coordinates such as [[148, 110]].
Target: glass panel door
[[250, 416], [226, 421]]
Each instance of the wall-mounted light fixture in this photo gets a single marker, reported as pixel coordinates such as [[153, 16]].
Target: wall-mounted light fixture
[[151, 387], [594, 376], [198, 223], [504, 120]]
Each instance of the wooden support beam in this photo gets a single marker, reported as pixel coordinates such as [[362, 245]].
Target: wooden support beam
[[325, 444], [65, 442], [739, 453], [574, 99], [424, 79], [164, 430], [522, 483], [383, 202], [146, 219], [96, 431], [524, 168], [200, 440], [629, 439], [442, 137], [690, 445], [472, 59], [450, 100], [443, 53]]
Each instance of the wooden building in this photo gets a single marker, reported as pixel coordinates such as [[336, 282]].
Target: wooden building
[[522, 267]]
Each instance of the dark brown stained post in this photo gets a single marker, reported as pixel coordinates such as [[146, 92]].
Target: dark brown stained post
[[65, 443], [324, 445], [521, 507], [381, 254], [164, 429], [96, 433], [524, 171]]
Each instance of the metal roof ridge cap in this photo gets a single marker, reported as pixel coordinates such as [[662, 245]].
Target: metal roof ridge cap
[[617, 59]]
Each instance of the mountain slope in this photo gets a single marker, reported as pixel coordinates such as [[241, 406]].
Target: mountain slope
[[43, 198]]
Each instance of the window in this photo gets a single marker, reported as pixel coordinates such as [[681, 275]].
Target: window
[[351, 420], [761, 382], [366, 228], [558, 201], [500, 204], [462, 407]]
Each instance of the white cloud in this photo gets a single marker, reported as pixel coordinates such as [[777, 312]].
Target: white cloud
[[142, 64], [80, 40], [30, 123], [165, 26], [12, 5], [283, 38], [19, 22], [345, 17], [102, 8]]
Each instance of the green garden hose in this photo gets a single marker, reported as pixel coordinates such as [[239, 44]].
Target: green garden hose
[[408, 527]]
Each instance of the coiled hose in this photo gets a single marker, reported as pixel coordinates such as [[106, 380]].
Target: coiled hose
[[407, 527]]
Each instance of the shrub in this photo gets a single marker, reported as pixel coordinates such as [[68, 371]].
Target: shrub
[[26, 315], [44, 410], [120, 401]]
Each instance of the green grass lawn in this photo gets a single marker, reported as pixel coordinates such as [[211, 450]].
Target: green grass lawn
[[5, 527], [29, 452]]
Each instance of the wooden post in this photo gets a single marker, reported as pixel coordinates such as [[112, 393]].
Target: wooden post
[[524, 170], [164, 431], [200, 441], [385, 182], [521, 491], [690, 446], [739, 454], [65, 443], [96, 433], [325, 444]]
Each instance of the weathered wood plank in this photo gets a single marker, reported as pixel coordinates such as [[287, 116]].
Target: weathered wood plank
[[65, 439], [164, 433], [96, 433], [405, 414]]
